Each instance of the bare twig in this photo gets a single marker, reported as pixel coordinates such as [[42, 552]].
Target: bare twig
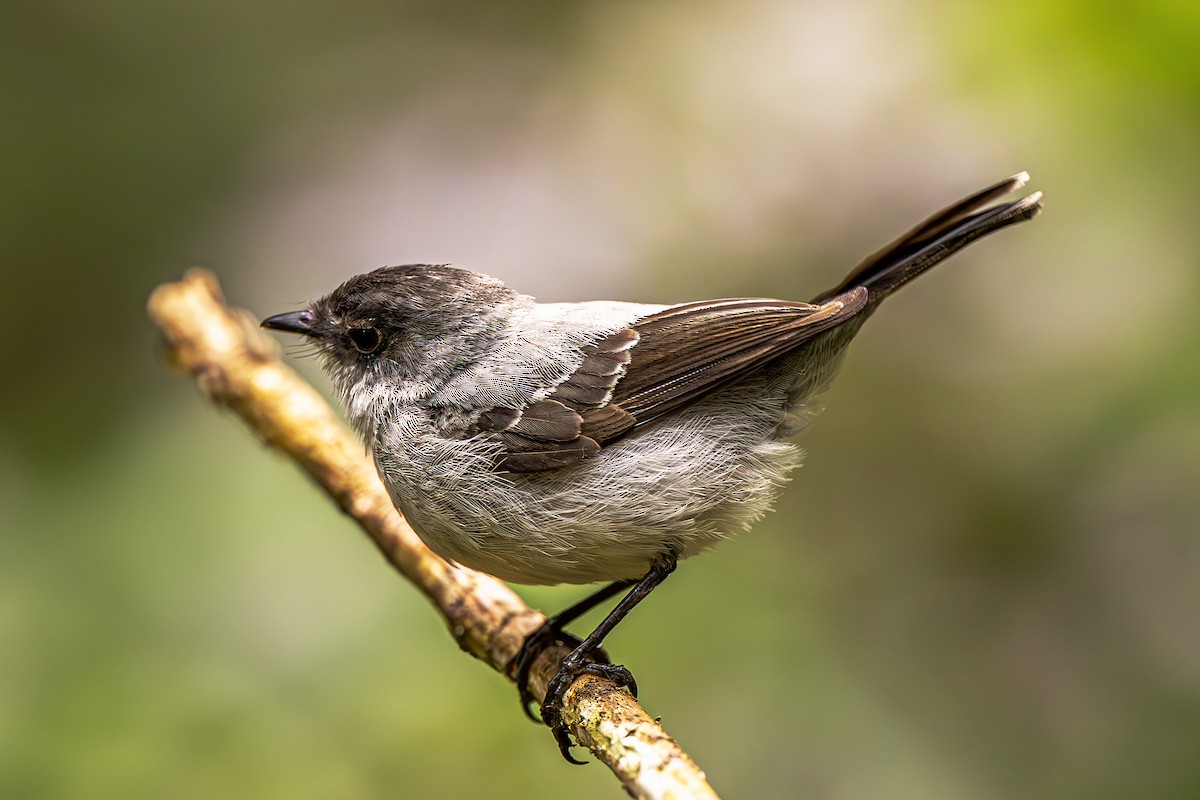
[[238, 367]]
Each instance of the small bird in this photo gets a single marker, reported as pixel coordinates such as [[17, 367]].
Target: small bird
[[549, 443]]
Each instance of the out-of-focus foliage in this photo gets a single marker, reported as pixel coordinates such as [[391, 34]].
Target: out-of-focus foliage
[[986, 581]]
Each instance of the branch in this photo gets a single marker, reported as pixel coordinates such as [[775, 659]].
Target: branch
[[237, 366]]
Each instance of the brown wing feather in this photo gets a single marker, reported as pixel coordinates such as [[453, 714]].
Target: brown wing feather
[[591, 385], [525, 454], [688, 352], [658, 365], [548, 434], [543, 435]]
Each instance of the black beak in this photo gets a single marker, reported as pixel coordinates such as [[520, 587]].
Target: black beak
[[302, 322]]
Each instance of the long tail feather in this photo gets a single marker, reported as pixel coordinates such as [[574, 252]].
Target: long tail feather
[[938, 238]]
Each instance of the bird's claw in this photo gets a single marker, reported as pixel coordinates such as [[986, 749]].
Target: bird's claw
[[556, 690], [595, 662], [548, 635]]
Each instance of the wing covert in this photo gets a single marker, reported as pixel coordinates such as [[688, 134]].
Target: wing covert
[[658, 365]]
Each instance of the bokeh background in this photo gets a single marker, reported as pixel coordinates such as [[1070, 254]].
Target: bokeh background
[[984, 583]]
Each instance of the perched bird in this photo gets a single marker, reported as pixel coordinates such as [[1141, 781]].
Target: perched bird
[[601, 441]]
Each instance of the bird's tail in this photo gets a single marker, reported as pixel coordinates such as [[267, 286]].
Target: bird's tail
[[938, 238]]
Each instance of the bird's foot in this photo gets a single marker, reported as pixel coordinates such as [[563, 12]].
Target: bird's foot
[[548, 635], [574, 665]]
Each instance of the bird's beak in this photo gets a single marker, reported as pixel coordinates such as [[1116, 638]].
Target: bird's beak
[[302, 322]]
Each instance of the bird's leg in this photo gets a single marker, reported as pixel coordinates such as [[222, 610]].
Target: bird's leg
[[551, 633], [580, 660]]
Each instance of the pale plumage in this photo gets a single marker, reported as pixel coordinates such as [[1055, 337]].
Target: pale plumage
[[581, 442]]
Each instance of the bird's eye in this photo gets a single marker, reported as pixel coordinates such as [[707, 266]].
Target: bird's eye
[[367, 340]]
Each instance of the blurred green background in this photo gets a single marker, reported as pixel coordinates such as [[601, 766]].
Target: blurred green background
[[984, 583]]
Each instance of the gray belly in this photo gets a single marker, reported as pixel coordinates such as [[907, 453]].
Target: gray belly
[[680, 486]]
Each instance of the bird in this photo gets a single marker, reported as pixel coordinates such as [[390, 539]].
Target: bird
[[598, 441]]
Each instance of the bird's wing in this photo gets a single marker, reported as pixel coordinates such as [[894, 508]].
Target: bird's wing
[[658, 365], [669, 360]]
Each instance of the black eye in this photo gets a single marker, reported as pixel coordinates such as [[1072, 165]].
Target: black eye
[[367, 340]]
